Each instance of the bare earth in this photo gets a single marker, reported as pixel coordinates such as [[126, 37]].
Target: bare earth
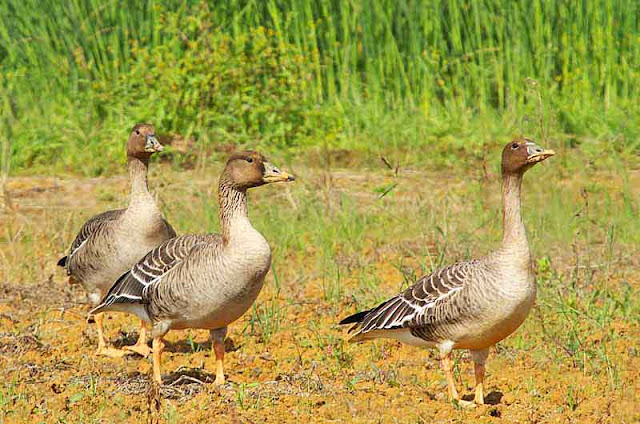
[[575, 360]]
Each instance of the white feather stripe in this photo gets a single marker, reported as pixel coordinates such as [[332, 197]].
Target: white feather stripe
[[402, 317], [144, 272], [389, 314], [415, 312], [431, 287], [172, 253], [145, 291], [127, 296], [152, 266], [422, 309], [415, 296], [371, 323], [139, 278], [77, 248]]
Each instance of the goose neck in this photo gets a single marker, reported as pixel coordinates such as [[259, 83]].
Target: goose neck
[[513, 230], [234, 215], [138, 168]]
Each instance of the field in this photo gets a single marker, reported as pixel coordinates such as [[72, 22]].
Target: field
[[391, 115], [338, 246]]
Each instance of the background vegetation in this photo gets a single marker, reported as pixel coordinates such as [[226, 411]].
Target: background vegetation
[[400, 76], [436, 87]]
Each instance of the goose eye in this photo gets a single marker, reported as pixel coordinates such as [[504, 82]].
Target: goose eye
[[514, 146], [250, 160]]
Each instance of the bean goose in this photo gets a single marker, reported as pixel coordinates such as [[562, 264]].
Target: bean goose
[[203, 281], [110, 243], [471, 304]]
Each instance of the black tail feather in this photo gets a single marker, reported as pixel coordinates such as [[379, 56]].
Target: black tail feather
[[355, 318], [63, 261]]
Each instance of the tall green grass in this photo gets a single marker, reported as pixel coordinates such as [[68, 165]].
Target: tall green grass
[[368, 73]]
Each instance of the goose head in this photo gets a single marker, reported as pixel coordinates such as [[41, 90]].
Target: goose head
[[143, 142], [520, 155], [249, 169]]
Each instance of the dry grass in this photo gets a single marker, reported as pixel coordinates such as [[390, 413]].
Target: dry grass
[[338, 245]]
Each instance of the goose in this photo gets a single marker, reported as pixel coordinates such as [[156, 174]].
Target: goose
[[110, 243], [203, 281], [472, 304]]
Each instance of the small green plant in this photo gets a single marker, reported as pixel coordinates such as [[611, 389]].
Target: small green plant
[[195, 347], [332, 290], [573, 398], [266, 317], [242, 399], [170, 414], [389, 77]]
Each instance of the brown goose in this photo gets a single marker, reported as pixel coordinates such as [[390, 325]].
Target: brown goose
[[471, 304], [110, 243], [203, 281]]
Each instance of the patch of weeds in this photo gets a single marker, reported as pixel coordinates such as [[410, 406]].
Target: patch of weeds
[[75, 398], [9, 396], [266, 317], [333, 347], [195, 347], [390, 376], [573, 398], [350, 384], [245, 399], [171, 414], [332, 288]]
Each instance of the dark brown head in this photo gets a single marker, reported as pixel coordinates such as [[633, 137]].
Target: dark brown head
[[250, 169], [521, 154], [143, 142]]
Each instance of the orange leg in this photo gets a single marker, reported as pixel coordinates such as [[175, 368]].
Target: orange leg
[[103, 349], [158, 347], [447, 366], [479, 359], [479, 372], [217, 336], [140, 347]]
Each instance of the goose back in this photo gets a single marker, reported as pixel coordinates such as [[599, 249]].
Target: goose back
[[110, 243], [167, 278], [472, 304], [204, 281]]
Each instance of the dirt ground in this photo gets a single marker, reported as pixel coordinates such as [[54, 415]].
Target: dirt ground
[[304, 371]]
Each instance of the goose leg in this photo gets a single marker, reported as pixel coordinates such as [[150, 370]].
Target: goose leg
[[447, 365], [479, 359], [103, 350], [140, 347], [158, 347], [217, 337]]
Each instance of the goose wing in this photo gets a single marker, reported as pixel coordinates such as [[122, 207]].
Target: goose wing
[[430, 301], [131, 287], [170, 230], [93, 226]]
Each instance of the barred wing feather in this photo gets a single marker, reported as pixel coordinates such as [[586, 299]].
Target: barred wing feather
[[91, 227], [131, 287], [425, 303]]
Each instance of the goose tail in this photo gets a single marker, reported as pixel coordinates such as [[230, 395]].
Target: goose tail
[[355, 318]]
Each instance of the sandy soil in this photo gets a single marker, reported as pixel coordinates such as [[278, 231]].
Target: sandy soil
[[305, 372]]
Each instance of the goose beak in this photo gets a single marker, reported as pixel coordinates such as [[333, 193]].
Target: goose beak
[[536, 153], [152, 145], [273, 175]]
